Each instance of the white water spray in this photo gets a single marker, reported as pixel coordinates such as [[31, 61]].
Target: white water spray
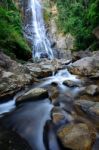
[[41, 44]]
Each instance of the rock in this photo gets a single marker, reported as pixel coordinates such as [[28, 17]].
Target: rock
[[94, 75], [53, 93], [6, 74], [70, 83], [54, 10], [87, 66], [64, 43], [11, 83], [65, 62], [55, 84], [81, 54], [13, 76], [57, 115], [10, 140], [34, 94], [89, 108], [92, 90], [76, 137], [60, 117], [96, 32], [82, 66], [44, 68]]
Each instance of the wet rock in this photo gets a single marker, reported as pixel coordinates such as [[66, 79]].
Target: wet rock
[[60, 117], [87, 66], [65, 62], [70, 83], [34, 94], [94, 75], [10, 140], [41, 69], [11, 83], [54, 84], [6, 74], [82, 66], [92, 90], [89, 108], [81, 54], [13, 76], [53, 93], [76, 136]]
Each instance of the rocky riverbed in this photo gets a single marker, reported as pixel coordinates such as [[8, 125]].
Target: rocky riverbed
[[55, 107]]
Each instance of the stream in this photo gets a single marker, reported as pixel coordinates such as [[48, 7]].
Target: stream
[[33, 121], [30, 119]]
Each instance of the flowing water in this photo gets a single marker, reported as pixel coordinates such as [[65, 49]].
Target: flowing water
[[36, 31], [29, 119], [33, 121]]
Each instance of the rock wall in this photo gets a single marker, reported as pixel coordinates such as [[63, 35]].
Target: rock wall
[[60, 42]]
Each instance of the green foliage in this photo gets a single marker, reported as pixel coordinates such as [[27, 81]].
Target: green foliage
[[78, 18], [11, 36]]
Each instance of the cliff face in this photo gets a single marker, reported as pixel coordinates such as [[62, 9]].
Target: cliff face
[[60, 41]]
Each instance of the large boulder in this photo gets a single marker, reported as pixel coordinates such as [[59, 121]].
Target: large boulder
[[89, 108], [71, 83], [11, 83], [13, 76], [33, 94], [59, 116], [46, 67], [92, 90], [87, 66], [76, 136], [81, 54], [10, 140]]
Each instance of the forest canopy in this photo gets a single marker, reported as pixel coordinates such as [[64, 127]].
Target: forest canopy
[[79, 17]]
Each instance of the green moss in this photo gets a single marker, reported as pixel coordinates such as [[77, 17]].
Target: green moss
[[12, 40]]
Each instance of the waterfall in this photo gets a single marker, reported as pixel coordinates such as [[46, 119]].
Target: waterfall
[[36, 32]]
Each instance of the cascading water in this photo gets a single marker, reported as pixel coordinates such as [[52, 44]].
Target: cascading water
[[36, 31]]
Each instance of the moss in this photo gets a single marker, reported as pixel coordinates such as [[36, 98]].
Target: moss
[[11, 36]]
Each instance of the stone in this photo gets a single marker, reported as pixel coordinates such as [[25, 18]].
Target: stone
[[70, 83], [13, 76], [6, 74], [81, 54], [59, 116], [55, 84], [76, 136], [89, 108], [94, 75], [53, 93], [86, 66], [33, 94], [92, 90], [96, 32], [82, 66], [12, 140]]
